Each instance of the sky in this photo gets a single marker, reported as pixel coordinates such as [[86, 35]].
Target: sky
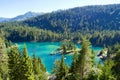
[[12, 8]]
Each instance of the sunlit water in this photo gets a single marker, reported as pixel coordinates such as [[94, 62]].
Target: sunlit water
[[44, 49]]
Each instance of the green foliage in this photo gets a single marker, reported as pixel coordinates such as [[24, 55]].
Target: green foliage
[[0, 77], [100, 28], [56, 67], [26, 66], [93, 58], [60, 69], [84, 60], [74, 62], [3, 60], [36, 67], [116, 69], [107, 71], [71, 24], [3, 55], [68, 45], [64, 49], [14, 64], [94, 74], [20, 65], [26, 33], [79, 18], [39, 69], [114, 48], [41, 65], [73, 69]]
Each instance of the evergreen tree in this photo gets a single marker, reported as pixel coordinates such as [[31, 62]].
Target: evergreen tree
[[60, 70], [3, 60], [14, 64], [93, 74], [42, 67], [26, 66], [116, 68], [63, 72], [39, 69], [84, 60], [94, 71], [0, 77], [64, 49], [56, 67], [73, 72], [93, 58], [36, 68], [107, 71]]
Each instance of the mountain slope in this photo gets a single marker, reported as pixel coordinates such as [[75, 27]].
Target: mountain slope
[[21, 17], [99, 24], [89, 18], [25, 16], [2, 19]]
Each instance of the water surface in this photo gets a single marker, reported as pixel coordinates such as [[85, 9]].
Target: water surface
[[44, 49]]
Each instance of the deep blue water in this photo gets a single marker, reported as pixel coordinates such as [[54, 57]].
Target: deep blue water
[[43, 50]]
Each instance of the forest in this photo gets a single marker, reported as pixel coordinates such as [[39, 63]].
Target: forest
[[17, 65], [100, 28], [89, 25]]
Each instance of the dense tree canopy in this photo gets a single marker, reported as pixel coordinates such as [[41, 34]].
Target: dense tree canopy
[[100, 28], [3, 60]]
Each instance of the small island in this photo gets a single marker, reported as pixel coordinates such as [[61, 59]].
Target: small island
[[67, 47]]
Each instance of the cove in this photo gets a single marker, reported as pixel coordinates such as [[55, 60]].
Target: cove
[[44, 49]]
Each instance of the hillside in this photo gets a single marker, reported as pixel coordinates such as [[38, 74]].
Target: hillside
[[25, 16], [99, 24], [22, 17], [99, 18], [2, 19]]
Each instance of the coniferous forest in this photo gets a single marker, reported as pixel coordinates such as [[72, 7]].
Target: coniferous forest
[[87, 26]]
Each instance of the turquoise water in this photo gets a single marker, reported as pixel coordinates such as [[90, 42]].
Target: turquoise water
[[43, 50]]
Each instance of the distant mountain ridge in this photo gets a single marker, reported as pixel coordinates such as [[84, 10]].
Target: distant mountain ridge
[[100, 24], [98, 17], [20, 17], [2, 19]]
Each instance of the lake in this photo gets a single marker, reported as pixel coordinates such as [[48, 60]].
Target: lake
[[44, 49]]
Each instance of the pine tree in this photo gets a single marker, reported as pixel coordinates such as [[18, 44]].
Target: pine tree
[[26, 66], [42, 67], [0, 77], [14, 64], [56, 67], [93, 58], [39, 69], [107, 71], [36, 67], [116, 68], [73, 72], [60, 69], [94, 71], [64, 49], [84, 60], [3, 60]]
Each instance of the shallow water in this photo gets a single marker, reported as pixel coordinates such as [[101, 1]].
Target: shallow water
[[44, 49]]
